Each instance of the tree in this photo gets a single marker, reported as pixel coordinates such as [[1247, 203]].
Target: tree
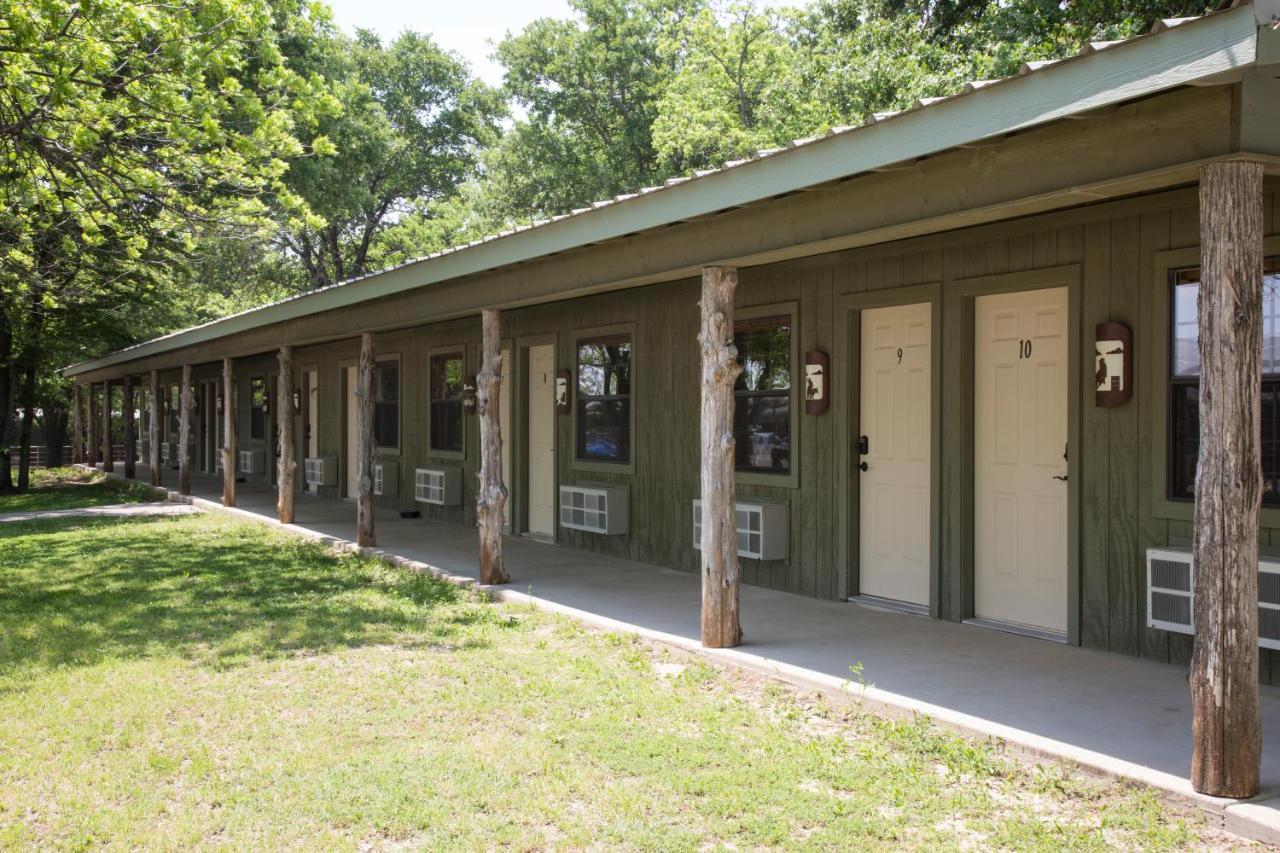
[[591, 87], [412, 121], [123, 127]]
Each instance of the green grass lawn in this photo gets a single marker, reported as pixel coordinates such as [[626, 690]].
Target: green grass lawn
[[70, 488], [201, 682]]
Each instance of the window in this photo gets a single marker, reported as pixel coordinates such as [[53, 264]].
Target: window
[[762, 395], [446, 402], [386, 404], [1184, 383], [258, 407], [604, 399]]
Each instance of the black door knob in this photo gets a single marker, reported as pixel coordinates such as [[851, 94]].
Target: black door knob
[[862, 466]]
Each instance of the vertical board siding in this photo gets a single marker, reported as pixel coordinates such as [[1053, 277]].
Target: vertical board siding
[[1115, 254]]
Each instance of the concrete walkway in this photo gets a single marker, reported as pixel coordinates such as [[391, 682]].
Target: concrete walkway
[[1115, 714], [111, 511]]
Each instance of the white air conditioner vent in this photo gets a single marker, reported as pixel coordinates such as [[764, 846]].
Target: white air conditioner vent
[[1169, 585], [1269, 602], [762, 529], [439, 486], [253, 461], [386, 479], [1171, 595], [594, 509], [320, 471]]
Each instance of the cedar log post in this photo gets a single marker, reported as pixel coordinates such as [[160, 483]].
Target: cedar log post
[[91, 446], [153, 428], [130, 431], [108, 464], [284, 434], [184, 433], [1226, 729], [491, 498], [720, 369], [76, 457], [228, 433], [365, 537]]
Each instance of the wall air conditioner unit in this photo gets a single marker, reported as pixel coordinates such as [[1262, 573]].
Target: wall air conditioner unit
[[762, 529], [1171, 594], [320, 471], [439, 486], [594, 509], [253, 461], [1169, 589], [386, 479]]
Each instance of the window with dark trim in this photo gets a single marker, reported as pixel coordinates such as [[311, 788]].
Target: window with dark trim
[[604, 399], [386, 404], [446, 401], [762, 395], [258, 403], [1184, 383]]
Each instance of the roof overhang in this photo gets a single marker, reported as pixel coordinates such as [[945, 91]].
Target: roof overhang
[[1208, 49]]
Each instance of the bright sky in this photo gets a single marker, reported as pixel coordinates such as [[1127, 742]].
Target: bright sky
[[468, 27]]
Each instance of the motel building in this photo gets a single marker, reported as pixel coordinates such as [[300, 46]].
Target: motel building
[[968, 340]]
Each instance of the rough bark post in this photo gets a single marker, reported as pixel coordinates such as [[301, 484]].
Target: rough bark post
[[91, 427], [365, 537], [228, 434], [491, 497], [285, 416], [153, 428], [130, 430], [76, 447], [184, 433], [1226, 729], [108, 464], [720, 369]]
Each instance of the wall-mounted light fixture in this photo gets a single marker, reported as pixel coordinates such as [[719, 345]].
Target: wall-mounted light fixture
[[817, 382]]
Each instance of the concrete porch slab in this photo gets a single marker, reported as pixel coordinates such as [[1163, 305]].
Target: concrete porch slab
[[1116, 715]]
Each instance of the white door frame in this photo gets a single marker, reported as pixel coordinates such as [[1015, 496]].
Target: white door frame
[[846, 401], [960, 379]]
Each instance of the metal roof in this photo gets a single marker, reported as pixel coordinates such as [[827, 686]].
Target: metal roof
[[1175, 52]]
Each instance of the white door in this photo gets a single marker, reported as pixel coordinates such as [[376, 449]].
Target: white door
[[504, 426], [896, 418], [542, 440], [353, 471], [313, 419], [1020, 466]]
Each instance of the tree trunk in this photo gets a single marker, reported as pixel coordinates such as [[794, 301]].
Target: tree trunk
[[28, 420], [108, 464], [285, 416], [228, 433], [77, 455], [364, 444], [1226, 729], [720, 369], [54, 417], [130, 431], [184, 433], [492, 496], [153, 430], [6, 399], [92, 445]]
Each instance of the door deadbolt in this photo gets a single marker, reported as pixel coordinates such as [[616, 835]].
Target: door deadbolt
[[864, 445]]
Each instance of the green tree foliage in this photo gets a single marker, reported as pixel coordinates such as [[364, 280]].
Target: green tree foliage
[[590, 86], [124, 128], [413, 119]]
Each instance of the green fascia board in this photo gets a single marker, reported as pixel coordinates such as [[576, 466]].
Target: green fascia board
[[1208, 47]]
